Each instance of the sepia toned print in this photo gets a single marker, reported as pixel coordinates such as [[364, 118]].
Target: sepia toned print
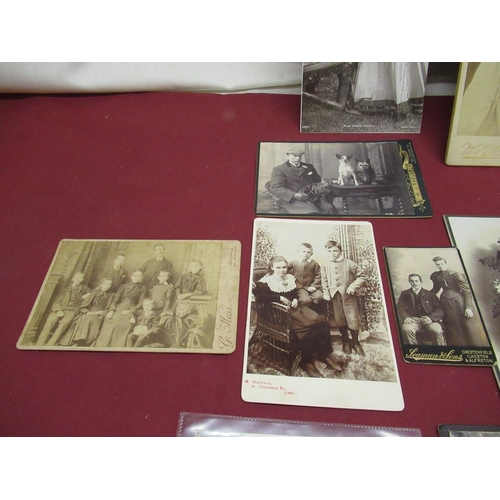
[[317, 330], [478, 239], [121, 295], [475, 128], [361, 97], [437, 315], [340, 179]]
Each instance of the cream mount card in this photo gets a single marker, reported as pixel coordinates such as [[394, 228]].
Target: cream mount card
[[138, 295], [474, 138], [317, 330]]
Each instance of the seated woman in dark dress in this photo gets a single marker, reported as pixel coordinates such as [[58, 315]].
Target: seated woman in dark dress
[[310, 328], [121, 318], [192, 283]]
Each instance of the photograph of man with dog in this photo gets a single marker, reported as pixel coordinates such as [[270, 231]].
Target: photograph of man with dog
[[338, 179]]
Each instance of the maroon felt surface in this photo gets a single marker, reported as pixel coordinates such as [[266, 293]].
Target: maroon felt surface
[[182, 166]]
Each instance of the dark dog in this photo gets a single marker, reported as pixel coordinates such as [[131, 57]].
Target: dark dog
[[364, 172]]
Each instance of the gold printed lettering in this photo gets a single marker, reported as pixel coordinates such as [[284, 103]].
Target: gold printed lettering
[[442, 356], [411, 178]]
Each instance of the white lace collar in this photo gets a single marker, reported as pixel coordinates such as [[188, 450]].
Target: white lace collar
[[279, 285]]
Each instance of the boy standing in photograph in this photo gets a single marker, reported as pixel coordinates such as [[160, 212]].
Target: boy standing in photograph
[[341, 279], [307, 273]]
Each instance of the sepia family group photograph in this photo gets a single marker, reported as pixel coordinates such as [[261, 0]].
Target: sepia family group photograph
[[317, 304], [132, 295], [317, 330]]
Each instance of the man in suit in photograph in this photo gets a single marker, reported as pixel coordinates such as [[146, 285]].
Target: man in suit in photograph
[[64, 310], [152, 267], [420, 311], [290, 177], [119, 276]]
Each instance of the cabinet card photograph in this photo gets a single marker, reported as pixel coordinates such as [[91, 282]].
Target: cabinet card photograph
[[437, 316], [340, 179], [474, 138], [478, 240], [317, 330], [361, 97], [135, 295]]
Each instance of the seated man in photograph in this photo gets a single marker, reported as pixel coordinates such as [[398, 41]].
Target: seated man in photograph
[[117, 273], [290, 177], [420, 311], [92, 310], [64, 310]]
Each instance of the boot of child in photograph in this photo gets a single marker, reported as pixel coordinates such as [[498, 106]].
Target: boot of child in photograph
[[356, 346], [346, 341]]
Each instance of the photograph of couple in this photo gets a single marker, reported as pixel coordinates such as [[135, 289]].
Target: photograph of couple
[[435, 305]]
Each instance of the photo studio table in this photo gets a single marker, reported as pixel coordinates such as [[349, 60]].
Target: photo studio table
[[370, 192]]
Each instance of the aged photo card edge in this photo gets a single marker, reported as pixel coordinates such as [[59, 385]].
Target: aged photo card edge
[[390, 390], [394, 301], [19, 346], [456, 141]]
